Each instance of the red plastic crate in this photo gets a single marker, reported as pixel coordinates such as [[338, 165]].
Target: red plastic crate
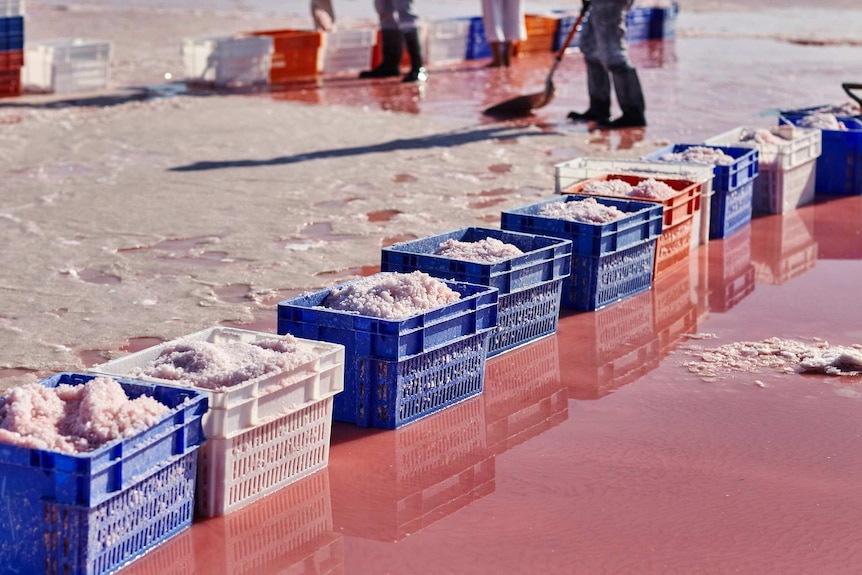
[[10, 83], [11, 60], [296, 54]]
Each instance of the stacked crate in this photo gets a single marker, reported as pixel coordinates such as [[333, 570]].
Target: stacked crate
[[788, 167], [296, 54], [287, 413], [67, 65], [610, 261], [91, 513], [732, 186], [11, 47], [529, 285], [227, 60]]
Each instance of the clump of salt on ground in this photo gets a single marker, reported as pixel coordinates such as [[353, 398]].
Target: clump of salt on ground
[[391, 295], [588, 210], [650, 188], [221, 365], [486, 250], [700, 155], [785, 356], [74, 418]]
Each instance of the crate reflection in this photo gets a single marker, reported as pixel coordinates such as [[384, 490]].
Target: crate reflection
[[783, 247], [731, 273]]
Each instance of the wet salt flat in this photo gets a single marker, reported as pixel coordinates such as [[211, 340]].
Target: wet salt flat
[[593, 451]]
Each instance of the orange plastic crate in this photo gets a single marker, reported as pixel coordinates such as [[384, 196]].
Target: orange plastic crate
[[296, 54], [10, 83], [540, 34], [11, 60]]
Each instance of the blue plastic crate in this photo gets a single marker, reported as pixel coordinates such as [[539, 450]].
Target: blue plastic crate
[[839, 166], [731, 210], [564, 26], [725, 178], [643, 223], [477, 43], [598, 281], [638, 21], [12, 33], [663, 22], [93, 512], [397, 371], [526, 316]]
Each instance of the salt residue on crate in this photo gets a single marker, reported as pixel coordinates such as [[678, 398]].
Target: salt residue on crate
[[587, 210], [700, 155], [786, 356], [74, 418], [221, 365], [486, 250], [650, 189], [822, 121], [391, 295], [844, 109]]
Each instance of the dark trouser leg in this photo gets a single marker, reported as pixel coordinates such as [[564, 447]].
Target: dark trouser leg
[[417, 71], [599, 88], [392, 48], [630, 97]]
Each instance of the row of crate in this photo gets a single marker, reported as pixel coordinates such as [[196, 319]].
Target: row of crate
[[60, 66]]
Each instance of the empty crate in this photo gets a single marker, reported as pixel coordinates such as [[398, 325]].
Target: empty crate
[[227, 60], [788, 162], [609, 261], [446, 40], [296, 54], [90, 513], [399, 370], [529, 284], [262, 433], [67, 65], [347, 50]]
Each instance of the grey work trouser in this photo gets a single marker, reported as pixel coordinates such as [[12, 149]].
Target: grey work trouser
[[396, 14]]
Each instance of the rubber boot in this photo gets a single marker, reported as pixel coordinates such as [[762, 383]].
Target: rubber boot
[[630, 98], [417, 72], [392, 48], [599, 89]]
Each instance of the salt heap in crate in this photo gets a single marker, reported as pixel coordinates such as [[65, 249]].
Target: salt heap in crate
[[528, 270], [734, 168], [613, 244], [413, 344], [270, 406], [96, 471]]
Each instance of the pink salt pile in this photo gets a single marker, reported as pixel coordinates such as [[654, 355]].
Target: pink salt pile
[[700, 155], [216, 366], [75, 418], [844, 109], [649, 188], [785, 356], [612, 187], [588, 210], [486, 250], [822, 121], [652, 189], [391, 295]]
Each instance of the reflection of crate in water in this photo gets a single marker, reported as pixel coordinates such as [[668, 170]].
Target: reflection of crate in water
[[675, 308], [784, 247], [523, 395], [411, 477]]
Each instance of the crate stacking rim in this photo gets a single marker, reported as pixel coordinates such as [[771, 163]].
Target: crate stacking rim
[[92, 513], [675, 242], [529, 284], [610, 261], [263, 433], [398, 371]]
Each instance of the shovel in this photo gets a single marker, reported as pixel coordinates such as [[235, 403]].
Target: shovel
[[524, 105], [848, 87]]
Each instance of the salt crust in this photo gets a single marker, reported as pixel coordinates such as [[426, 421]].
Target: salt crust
[[822, 121], [588, 210], [847, 108], [486, 250], [786, 356], [217, 366], [650, 189], [74, 418], [700, 155], [391, 295]]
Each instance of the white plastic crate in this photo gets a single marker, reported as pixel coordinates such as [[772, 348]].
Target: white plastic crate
[[10, 8], [67, 65], [227, 60], [446, 41], [348, 50], [787, 171], [569, 173]]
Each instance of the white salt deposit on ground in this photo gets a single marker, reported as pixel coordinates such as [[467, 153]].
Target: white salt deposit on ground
[[588, 210], [486, 250], [217, 366], [821, 121], [784, 356], [74, 418], [700, 155], [391, 295]]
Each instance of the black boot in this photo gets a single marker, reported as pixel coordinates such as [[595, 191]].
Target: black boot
[[392, 48], [597, 112], [417, 72], [630, 96], [599, 89]]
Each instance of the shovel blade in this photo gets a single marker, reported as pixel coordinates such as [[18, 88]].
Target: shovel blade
[[520, 105]]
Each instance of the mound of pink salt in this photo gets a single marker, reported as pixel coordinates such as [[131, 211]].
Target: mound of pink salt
[[847, 108], [217, 366], [588, 210], [608, 188], [821, 121], [700, 155], [652, 189], [75, 418], [391, 295], [486, 250]]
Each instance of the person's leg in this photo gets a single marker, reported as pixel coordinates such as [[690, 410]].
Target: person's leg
[[627, 85], [493, 30], [514, 27], [391, 40], [407, 22], [598, 78]]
